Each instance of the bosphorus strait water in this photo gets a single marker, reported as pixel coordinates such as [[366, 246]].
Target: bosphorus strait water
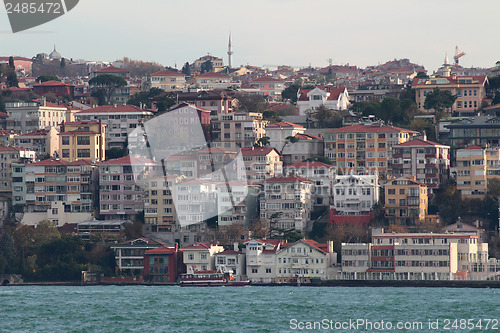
[[247, 309]]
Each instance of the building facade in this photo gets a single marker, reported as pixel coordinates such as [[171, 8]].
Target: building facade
[[82, 140], [238, 130], [321, 174], [406, 201], [166, 80], [261, 163]]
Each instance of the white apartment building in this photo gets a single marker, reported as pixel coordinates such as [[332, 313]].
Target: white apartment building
[[321, 174], [261, 259], [25, 117], [353, 194]]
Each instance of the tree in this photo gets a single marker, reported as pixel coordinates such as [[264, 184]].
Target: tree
[[45, 232], [45, 78], [133, 230], [322, 159], [186, 69], [251, 102], [62, 65], [494, 187], [271, 116], [439, 100], [290, 93], [12, 79], [11, 63], [107, 83], [145, 98], [326, 118], [263, 142], [423, 125], [207, 66], [164, 103], [289, 140], [422, 75]]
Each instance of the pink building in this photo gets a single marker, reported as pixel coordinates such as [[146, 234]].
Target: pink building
[[268, 86]]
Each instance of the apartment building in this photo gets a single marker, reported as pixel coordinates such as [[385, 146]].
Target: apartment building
[[45, 142], [212, 80], [26, 117], [237, 203], [82, 140], [163, 264], [261, 163], [238, 130], [200, 256], [55, 190], [216, 62], [10, 177], [428, 161], [321, 174], [278, 132], [195, 202], [129, 255], [365, 148], [353, 199], [121, 186], [475, 167], [217, 101], [305, 261], [406, 201], [166, 80], [286, 203], [470, 92], [306, 146], [220, 164], [417, 256], [268, 86]]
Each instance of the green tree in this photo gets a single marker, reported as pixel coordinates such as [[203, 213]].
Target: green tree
[[289, 140], [107, 83], [207, 66], [439, 100], [322, 159], [11, 63], [271, 116], [45, 232], [423, 125], [12, 79], [62, 65], [326, 118], [45, 78], [251, 102], [263, 142], [494, 187], [290, 93], [186, 69], [164, 103], [145, 98], [116, 152], [422, 75]]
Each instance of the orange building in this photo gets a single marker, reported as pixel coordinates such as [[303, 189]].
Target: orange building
[[365, 148], [82, 140], [405, 201]]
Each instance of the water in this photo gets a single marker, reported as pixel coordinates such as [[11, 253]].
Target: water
[[244, 309]]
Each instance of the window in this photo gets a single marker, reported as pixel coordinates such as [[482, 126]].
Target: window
[[191, 256], [254, 270], [65, 153], [83, 140], [83, 152], [65, 140], [268, 270]]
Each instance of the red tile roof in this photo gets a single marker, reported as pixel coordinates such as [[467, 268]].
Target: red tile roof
[[52, 83], [473, 147], [284, 124], [167, 72], [308, 165], [15, 58], [375, 127], [13, 149], [86, 122], [160, 250], [303, 136], [52, 161], [149, 241], [320, 247], [257, 151], [451, 80], [288, 179], [213, 74], [4, 132], [418, 142], [197, 246], [229, 252]]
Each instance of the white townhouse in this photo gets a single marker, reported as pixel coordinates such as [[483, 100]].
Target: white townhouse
[[200, 256], [261, 259]]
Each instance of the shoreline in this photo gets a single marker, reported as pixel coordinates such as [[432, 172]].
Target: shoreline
[[328, 283]]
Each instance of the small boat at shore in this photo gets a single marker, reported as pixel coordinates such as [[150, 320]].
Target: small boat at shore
[[210, 278]]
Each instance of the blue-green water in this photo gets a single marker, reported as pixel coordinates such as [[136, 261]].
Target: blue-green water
[[245, 309]]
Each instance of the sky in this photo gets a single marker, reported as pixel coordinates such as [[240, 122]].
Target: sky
[[268, 32]]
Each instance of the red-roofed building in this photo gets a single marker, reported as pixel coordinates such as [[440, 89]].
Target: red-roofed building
[[233, 260], [334, 98], [56, 87], [163, 264], [470, 92], [7, 138], [287, 203], [45, 142], [364, 148], [321, 173], [261, 163], [268, 86], [278, 132], [130, 255], [200, 256], [20, 63], [261, 259], [428, 161], [216, 62], [305, 261], [166, 80], [212, 80]]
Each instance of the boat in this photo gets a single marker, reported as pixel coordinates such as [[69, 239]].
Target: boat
[[210, 278]]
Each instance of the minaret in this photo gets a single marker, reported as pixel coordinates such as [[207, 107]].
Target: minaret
[[230, 52]]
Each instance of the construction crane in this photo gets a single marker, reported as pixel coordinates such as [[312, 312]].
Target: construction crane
[[458, 54]]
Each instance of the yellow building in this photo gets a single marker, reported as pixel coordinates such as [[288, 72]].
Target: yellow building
[[470, 91], [82, 140], [475, 166], [405, 201]]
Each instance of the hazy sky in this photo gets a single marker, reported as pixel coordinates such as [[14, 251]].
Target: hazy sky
[[268, 32]]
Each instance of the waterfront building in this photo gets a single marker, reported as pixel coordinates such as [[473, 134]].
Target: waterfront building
[[108, 231], [130, 255], [200, 256], [233, 260], [261, 259], [304, 261], [163, 264], [418, 256]]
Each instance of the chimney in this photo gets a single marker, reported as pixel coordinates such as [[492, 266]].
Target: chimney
[[236, 247], [330, 246]]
